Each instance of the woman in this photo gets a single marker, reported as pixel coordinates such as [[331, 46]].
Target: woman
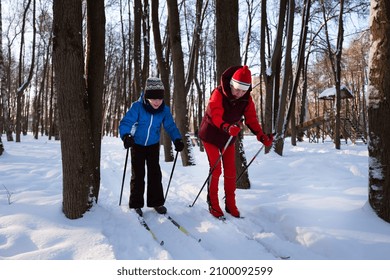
[[229, 103]]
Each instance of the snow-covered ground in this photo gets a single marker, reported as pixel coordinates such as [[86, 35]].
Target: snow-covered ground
[[309, 204]]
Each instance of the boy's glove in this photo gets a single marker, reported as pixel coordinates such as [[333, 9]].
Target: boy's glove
[[128, 141], [179, 145], [265, 139]]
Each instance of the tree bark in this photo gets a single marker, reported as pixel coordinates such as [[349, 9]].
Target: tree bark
[[270, 70], [179, 93], [228, 54], [24, 84], [76, 143], [379, 109], [138, 83], [94, 72], [6, 124], [163, 67], [301, 57], [287, 77]]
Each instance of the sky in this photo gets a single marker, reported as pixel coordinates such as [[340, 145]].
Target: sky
[[308, 205]]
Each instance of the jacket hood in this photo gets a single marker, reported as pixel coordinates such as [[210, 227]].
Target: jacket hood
[[225, 83]]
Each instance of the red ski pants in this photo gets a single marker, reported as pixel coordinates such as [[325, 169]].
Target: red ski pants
[[229, 173]]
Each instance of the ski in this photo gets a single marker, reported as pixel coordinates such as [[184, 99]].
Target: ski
[[265, 245], [222, 218], [181, 228], [225, 220], [145, 225]]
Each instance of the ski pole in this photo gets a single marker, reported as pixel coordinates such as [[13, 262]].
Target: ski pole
[[247, 166], [170, 178], [123, 179], [212, 169]]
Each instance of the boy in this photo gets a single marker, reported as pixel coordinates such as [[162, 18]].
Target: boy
[[140, 130]]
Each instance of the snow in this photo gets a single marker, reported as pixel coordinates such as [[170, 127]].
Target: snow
[[330, 93], [310, 204]]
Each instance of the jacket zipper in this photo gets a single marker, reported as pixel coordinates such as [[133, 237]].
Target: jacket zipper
[[148, 134]]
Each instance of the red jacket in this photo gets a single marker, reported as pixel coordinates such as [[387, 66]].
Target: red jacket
[[224, 108]]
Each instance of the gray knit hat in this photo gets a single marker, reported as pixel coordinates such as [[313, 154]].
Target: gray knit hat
[[154, 88]]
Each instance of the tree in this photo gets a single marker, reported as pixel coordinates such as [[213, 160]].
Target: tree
[[42, 76], [94, 72], [251, 13], [75, 110], [287, 77], [3, 101], [282, 126], [271, 67], [1, 147], [335, 60], [138, 79], [23, 84], [179, 92], [228, 54], [379, 109], [164, 69]]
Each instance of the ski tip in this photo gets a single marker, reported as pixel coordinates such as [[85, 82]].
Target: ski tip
[[162, 243], [199, 240]]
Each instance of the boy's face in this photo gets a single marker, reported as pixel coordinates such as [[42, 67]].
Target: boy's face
[[155, 103]]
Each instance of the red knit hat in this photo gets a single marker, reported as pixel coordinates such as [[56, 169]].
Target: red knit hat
[[242, 78]]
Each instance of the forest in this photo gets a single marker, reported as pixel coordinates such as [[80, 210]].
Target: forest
[[70, 70]]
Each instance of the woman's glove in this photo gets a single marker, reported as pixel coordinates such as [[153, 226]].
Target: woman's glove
[[232, 129], [265, 139]]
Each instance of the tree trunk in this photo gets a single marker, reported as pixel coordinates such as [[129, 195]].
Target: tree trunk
[[94, 71], [124, 92], [272, 77], [335, 61], [5, 124], [23, 84], [138, 83], [267, 77], [76, 143], [340, 39], [227, 37], [53, 110], [1, 147], [179, 93], [163, 67], [287, 76], [228, 54], [301, 57], [146, 41], [379, 110]]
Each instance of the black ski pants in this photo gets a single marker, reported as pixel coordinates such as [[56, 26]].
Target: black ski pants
[[139, 156]]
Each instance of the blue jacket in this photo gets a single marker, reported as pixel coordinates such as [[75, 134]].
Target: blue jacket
[[144, 123]]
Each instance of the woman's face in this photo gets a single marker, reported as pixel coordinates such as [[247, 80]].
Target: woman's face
[[237, 93], [155, 103]]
